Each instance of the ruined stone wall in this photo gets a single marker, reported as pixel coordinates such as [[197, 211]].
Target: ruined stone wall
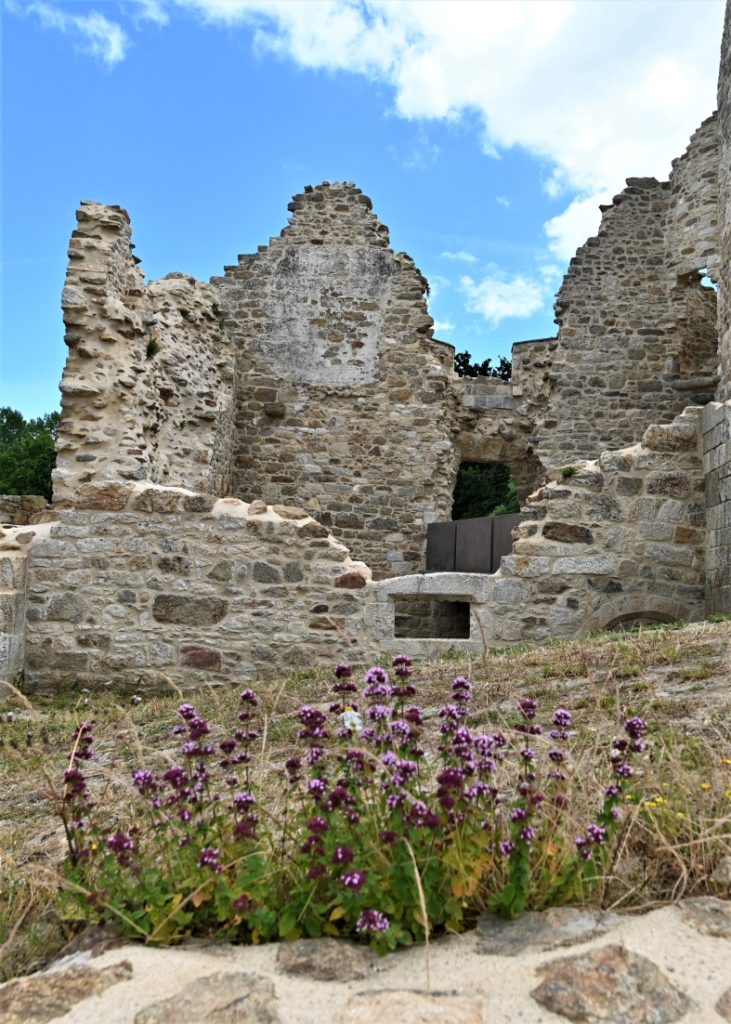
[[494, 426], [147, 387], [717, 468], [12, 610], [619, 537], [19, 509], [343, 399], [724, 311], [638, 336], [162, 584]]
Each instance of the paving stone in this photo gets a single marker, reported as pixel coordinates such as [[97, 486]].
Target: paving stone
[[549, 929], [723, 1006], [42, 997], [709, 915], [221, 998], [325, 959], [406, 1007], [610, 985]]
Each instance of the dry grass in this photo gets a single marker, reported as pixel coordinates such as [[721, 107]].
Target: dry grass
[[676, 830]]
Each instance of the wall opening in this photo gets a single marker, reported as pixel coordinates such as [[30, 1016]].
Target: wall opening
[[424, 618], [694, 365], [484, 489], [635, 620]]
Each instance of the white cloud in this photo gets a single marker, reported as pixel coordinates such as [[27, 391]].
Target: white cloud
[[503, 201], [443, 326], [461, 256], [151, 10], [596, 91], [570, 229], [498, 298], [94, 34]]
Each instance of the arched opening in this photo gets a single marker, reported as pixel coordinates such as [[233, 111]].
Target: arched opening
[[635, 620]]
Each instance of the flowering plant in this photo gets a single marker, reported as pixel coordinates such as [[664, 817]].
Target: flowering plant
[[391, 821]]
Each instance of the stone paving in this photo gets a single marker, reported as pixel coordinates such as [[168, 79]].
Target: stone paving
[[671, 964]]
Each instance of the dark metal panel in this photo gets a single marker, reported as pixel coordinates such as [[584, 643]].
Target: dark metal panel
[[502, 541], [440, 542], [474, 544]]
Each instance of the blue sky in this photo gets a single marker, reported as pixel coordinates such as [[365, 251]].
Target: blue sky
[[486, 134]]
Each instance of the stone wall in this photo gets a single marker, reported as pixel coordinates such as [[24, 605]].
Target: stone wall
[[622, 536], [141, 585], [19, 509], [148, 383], [619, 538], [12, 611], [495, 426], [343, 397], [638, 337], [724, 310], [717, 468]]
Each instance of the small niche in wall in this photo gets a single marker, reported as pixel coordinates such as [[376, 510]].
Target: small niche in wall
[[425, 618]]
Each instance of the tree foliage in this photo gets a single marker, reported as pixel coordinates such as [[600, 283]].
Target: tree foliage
[[27, 452], [484, 489], [464, 367]]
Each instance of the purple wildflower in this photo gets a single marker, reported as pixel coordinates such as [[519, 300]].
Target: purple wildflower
[[318, 824], [528, 708], [243, 801], [378, 712], [372, 921], [210, 857], [635, 727], [506, 847], [354, 880], [343, 855]]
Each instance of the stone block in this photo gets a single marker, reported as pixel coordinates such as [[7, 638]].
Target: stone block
[[591, 565], [198, 656], [66, 607], [176, 609], [567, 533], [106, 496]]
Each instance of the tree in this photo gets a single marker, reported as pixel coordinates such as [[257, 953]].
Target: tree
[[484, 489], [464, 367], [27, 452]]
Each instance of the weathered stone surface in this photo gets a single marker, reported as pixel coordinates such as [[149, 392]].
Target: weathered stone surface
[[325, 959], [404, 1007], [351, 581], [66, 607], [672, 437], [709, 915], [723, 1006], [202, 657], [43, 997], [567, 533], [189, 611], [263, 573], [22, 509], [610, 984], [109, 496], [243, 998], [549, 929]]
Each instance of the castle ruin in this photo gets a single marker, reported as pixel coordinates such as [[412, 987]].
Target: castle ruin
[[247, 468]]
